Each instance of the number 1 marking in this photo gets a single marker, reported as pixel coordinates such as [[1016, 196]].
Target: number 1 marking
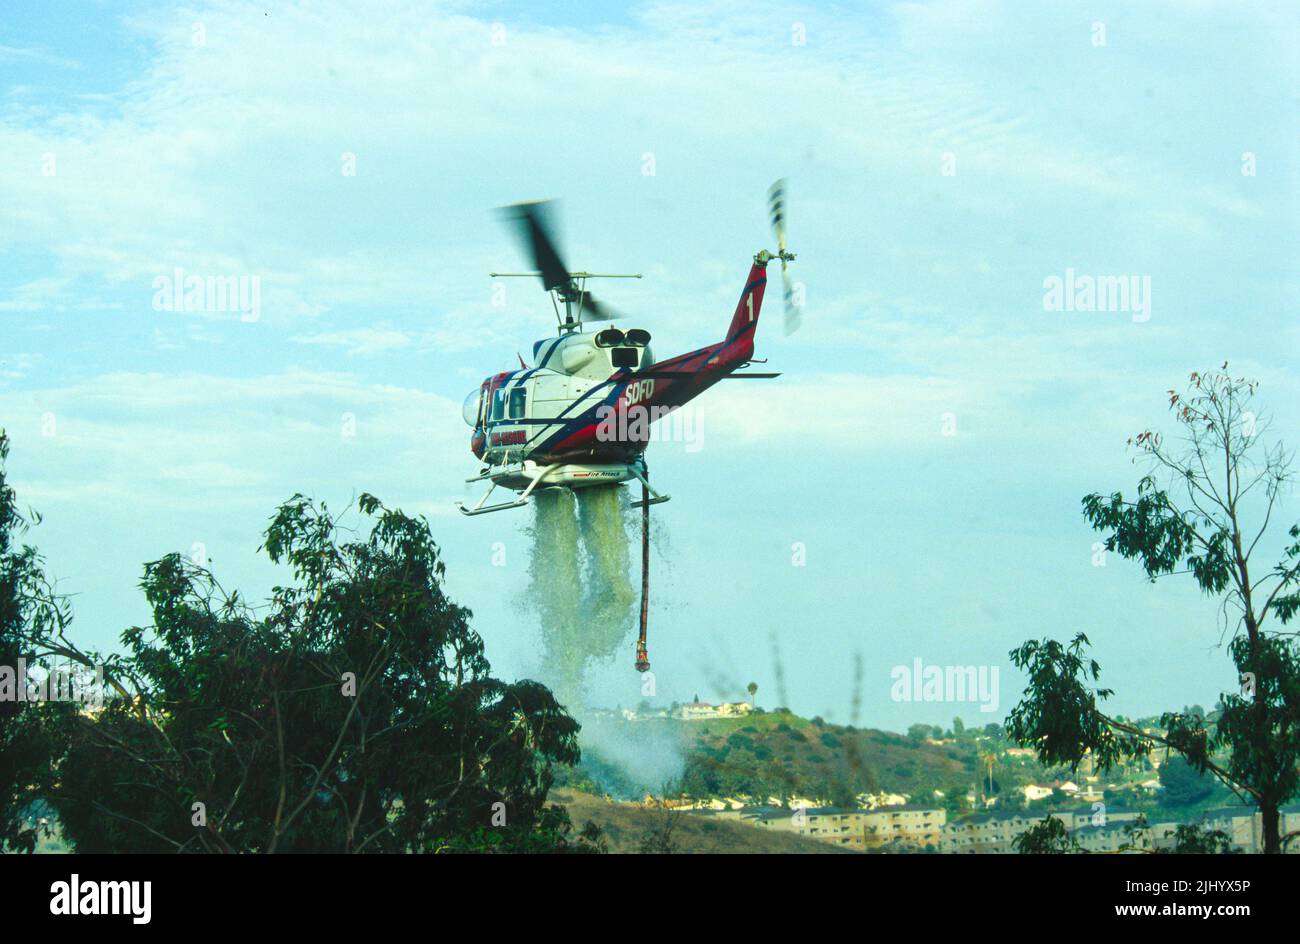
[[749, 302]]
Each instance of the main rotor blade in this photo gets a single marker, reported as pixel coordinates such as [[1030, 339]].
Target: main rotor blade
[[592, 310], [536, 228]]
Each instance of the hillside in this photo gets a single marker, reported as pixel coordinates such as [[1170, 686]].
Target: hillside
[[779, 756], [790, 754], [775, 754], [627, 825]]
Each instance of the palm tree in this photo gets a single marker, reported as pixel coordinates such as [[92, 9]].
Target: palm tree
[[752, 688], [988, 757]]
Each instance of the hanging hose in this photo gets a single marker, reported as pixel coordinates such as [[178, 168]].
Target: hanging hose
[[642, 656]]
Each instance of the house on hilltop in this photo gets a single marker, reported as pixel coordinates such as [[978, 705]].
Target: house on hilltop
[[703, 711]]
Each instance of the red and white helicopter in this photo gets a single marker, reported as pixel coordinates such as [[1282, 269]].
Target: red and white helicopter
[[580, 415]]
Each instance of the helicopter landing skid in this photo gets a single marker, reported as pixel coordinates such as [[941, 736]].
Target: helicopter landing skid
[[502, 506], [560, 475]]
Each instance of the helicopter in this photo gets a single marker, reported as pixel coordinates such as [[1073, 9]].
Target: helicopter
[[579, 416]]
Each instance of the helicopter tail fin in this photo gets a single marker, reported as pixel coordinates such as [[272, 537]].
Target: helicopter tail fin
[[745, 319]]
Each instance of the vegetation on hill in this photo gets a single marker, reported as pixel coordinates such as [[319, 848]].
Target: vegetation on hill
[[781, 755], [634, 828]]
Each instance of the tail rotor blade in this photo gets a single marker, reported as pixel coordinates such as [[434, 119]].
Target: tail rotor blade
[[793, 317], [776, 205]]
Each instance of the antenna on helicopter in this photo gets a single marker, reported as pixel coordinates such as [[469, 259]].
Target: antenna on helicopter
[[532, 221]]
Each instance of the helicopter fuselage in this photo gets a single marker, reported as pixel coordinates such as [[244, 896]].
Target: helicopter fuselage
[[590, 397]]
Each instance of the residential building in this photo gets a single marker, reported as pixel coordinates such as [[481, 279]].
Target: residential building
[[906, 827], [910, 825], [696, 711], [735, 709], [988, 833]]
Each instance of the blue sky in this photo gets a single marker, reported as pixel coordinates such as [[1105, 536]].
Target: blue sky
[[136, 139]]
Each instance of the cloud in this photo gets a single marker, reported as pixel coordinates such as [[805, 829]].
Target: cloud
[[28, 54], [199, 443], [251, 132], [359, 340]]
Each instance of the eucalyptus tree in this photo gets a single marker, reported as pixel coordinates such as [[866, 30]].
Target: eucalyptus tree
[[1205, 508]]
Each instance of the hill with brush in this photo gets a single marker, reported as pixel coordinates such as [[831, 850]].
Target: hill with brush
[[775, 754], [629, 827]]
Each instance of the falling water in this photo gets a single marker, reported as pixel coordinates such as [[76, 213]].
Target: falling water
[[580, 583], [555, 591], [609, 596], [584, 597]]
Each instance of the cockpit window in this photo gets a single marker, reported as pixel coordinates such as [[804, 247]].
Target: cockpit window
[[470, 409]]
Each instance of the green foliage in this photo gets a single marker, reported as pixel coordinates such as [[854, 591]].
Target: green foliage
[[1047, 837], [1161, 536], [1195, 524], [741, 741], [552, 832], [1197, 839], [1058, 712], [32, 620], [1267, 768], [833, 767], [1183, 784], [1051, 836], [355, 712]]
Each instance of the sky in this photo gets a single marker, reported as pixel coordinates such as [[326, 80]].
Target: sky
[[908, 489]]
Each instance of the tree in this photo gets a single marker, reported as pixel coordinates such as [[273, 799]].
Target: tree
[[31, 613], [955, 799], [1048, 836], [1197, 839], [988, 757], [354, 712], [1183, 784], [1190, 517], [752, 688]]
